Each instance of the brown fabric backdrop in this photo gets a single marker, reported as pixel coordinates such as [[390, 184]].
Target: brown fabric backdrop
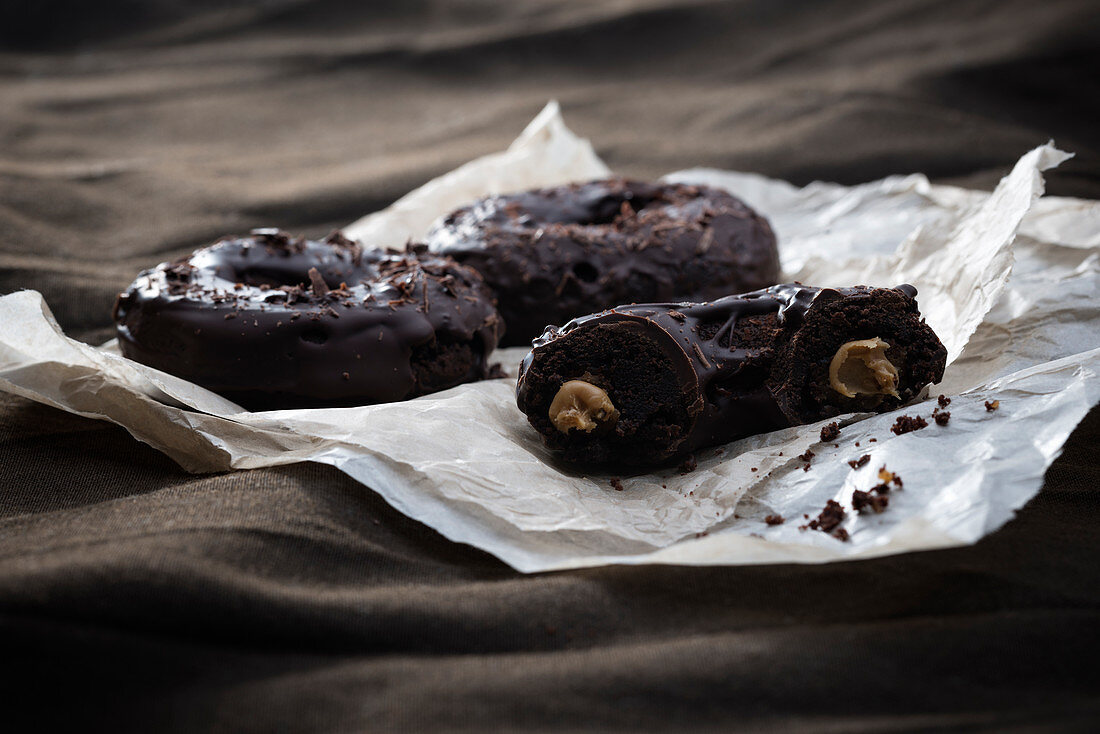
[[134, 596]]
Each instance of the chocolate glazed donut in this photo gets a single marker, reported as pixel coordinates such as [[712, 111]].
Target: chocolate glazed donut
[[553, 254], [273, 322], [644, 384]]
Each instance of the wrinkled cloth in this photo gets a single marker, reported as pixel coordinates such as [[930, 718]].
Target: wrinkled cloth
[[145, 598]]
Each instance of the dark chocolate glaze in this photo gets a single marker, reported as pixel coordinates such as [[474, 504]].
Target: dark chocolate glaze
[[748, 364], [273, 322], [553, 254]]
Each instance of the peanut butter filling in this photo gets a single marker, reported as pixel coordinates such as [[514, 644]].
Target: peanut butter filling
[[861, 368], [581, 405]]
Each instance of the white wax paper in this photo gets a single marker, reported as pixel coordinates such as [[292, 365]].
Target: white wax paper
[[1008, 280]]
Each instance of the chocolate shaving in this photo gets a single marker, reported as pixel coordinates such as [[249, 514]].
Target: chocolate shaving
[[857, 463], [317, 283]]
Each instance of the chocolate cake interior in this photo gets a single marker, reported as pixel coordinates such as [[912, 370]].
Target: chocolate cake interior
[[896, 354], [640, 380]]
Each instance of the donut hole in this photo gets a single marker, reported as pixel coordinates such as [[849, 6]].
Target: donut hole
[[586, 272], [608, 208], [314, 335], [275, 274], [641, 288]]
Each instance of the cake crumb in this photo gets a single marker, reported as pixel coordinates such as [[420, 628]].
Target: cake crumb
[[992, 405], [941, 416], [616, 484], [872, 440], [829, 432], [829, 520], [888, 477], [944, 401], [864, 502], [807, 457], [857, 463], [775, 519], [687, 466], [908, 423]]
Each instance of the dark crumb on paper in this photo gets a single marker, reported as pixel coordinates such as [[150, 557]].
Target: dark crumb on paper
[[881, 488], [807, 457], [829, 432], [687, 466], [992, 405], [616, 484], [908, 423], [775, 519], [864, 502], [702, 534], [752, 468], [719, 452], [857, 463], [857, 444], [872, 440], [496, 371], [944, 401], [941, 416], [829, 520]]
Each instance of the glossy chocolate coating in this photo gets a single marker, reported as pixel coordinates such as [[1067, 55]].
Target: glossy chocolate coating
[[247, 318], [744, 364], [553, 254]]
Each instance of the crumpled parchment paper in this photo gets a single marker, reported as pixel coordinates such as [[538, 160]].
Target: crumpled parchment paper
[[1010, 282]]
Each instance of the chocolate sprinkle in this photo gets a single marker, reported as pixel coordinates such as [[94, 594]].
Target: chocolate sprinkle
[[857, 463]]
